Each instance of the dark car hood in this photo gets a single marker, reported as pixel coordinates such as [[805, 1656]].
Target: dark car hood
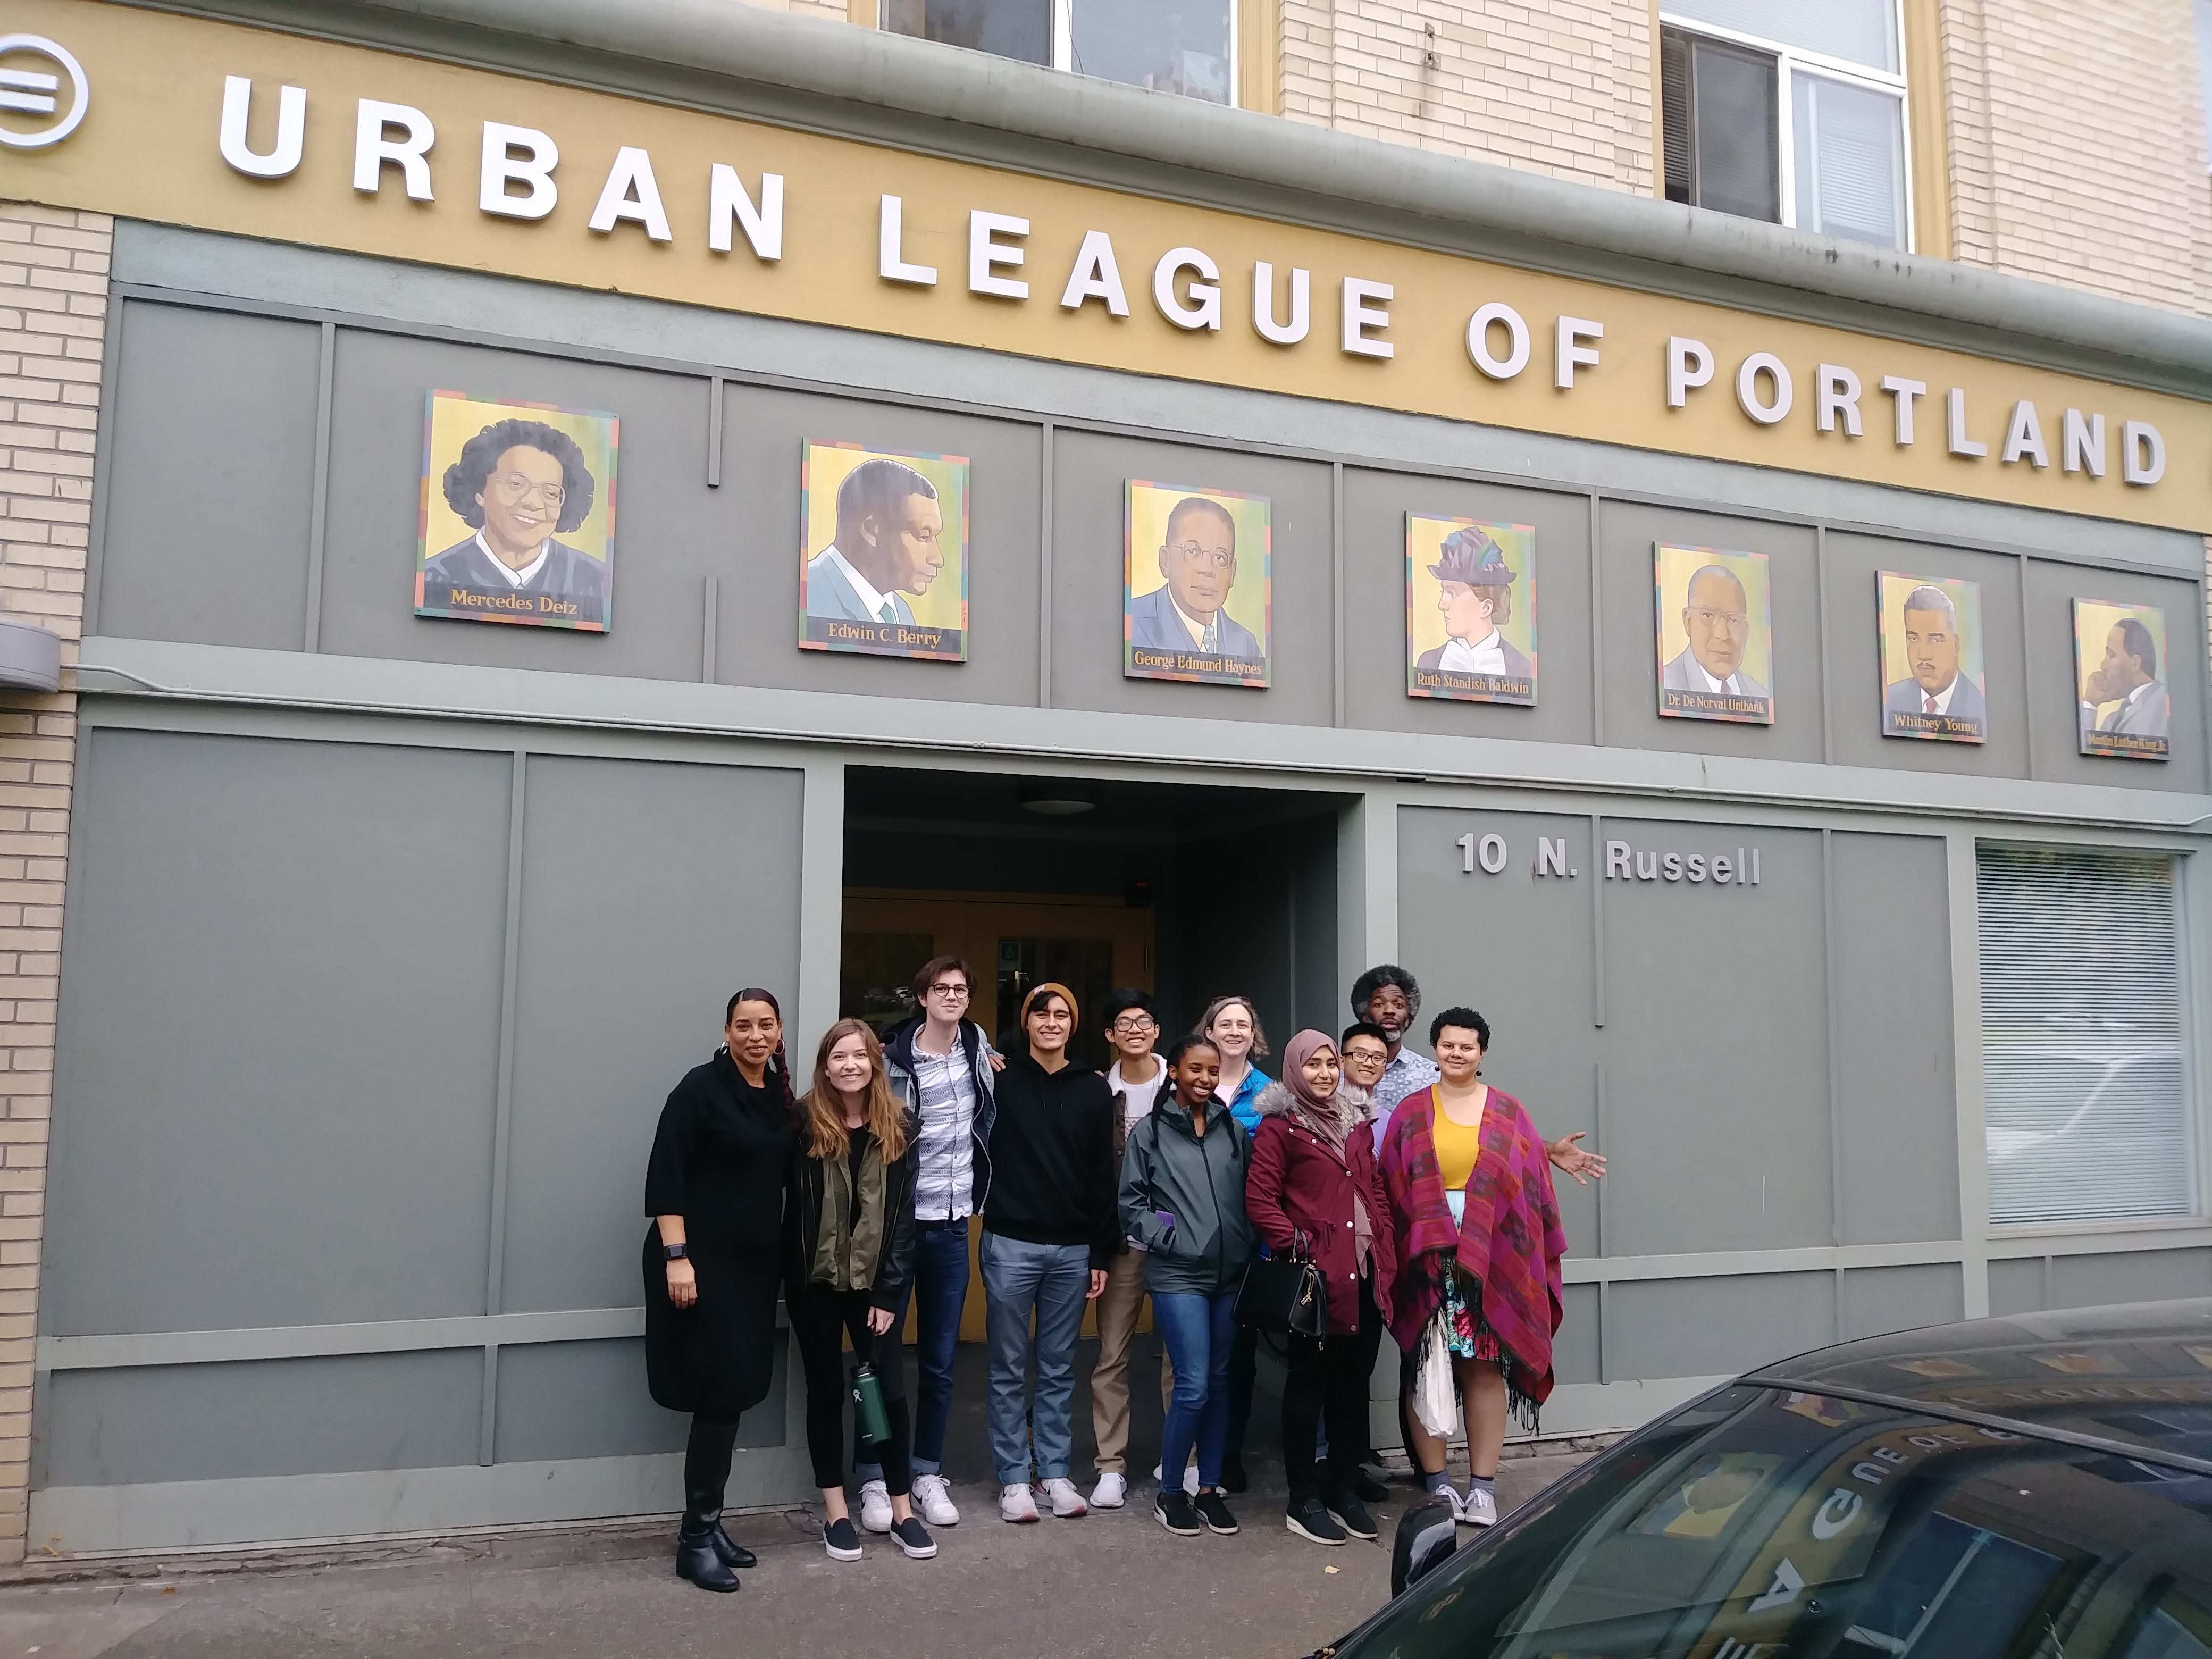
[[2141, 1374]]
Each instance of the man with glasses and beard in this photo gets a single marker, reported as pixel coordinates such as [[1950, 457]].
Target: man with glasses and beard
[[941, 1064]]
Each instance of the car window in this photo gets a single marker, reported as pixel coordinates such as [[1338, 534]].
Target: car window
[[1764, 1523]]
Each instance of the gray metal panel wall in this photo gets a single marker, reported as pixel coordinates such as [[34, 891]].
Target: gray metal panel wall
[[211, 476], [650, 893], [279, 1047]]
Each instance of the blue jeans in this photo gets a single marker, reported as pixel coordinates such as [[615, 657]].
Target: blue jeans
[[1051, 1281], [939, 1288], [1200, 1332]]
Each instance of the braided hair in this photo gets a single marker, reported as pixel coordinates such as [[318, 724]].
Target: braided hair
[[779, 1063]]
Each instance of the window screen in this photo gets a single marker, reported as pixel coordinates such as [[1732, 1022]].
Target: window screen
[[1004, 28], [1850, 160], [1717, 104], [2086, 1080], [1166, 46]]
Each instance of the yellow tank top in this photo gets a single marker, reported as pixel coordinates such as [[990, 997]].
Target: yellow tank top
[[1458, 1146]]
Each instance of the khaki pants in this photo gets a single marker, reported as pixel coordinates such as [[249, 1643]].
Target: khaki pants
[[1118, 1306]]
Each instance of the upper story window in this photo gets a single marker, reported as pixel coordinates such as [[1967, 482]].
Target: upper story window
[[1776, 110], [1186, 46]]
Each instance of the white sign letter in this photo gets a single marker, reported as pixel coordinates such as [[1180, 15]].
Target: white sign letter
[[1359, 316], [282, 157], [1570, 351], [372, 147], [889, 265], [2083, 443], [1204, 310], [1954, 411], [1516, 341], [631, 193], [985, 253], [1746, 387], [1263, 304], [2024, 438], [1095, 276], [727, 200], [2142, 452], [1836, 399], [1904, 392], [502, 167], [1689, 366]]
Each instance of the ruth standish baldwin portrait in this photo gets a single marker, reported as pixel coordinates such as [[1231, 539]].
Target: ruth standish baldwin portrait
[[1931, 659], [1716, 634], [518, 501], [883, 552], [1470, 611], [2120, 667], [1196, 584]]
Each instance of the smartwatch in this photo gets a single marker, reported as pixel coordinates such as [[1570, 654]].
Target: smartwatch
[[674, 1252]]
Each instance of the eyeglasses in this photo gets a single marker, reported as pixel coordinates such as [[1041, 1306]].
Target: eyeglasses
[[1734, 620], [1192, 553], [517, 488], [949, 989], [1135, 1027]]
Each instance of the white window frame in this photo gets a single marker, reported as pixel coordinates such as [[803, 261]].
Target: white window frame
[[1788, 59], [1062, 50]]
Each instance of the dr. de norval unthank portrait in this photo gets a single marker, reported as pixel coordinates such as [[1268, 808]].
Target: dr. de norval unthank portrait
[[515, 487]]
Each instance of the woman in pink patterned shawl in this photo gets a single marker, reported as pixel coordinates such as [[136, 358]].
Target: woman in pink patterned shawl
[[1477, 1228]]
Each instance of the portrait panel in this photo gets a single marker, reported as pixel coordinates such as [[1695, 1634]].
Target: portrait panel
[[882, 552], [1932, 676], [2119, 678], [1470, 611], [517, 518], [1716, 634], [1196, 600]]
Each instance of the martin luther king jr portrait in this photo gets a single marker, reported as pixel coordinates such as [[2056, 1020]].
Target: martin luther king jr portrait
[[518, 485]]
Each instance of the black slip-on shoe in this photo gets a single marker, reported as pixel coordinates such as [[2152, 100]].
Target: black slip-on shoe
[[1215, 1513], [1351, 1514], [913, 1538], [1310, 1520], [841, 1539], [1174, 1511]]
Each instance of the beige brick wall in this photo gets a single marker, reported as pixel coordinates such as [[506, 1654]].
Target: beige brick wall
[[53, 309], [2077, 144], [1562, 87]]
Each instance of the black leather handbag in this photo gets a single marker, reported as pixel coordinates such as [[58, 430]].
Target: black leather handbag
[[1286, 1294]]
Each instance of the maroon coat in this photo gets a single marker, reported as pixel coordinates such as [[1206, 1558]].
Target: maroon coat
[[1297, 1181]]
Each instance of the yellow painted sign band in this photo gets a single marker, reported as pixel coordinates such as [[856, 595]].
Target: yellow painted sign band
[[625, 196]]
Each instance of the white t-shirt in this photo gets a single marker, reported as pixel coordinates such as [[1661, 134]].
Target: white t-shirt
[[1136, 1098]]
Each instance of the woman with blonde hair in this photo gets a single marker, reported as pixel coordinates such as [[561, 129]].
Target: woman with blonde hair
[[848, 1252]]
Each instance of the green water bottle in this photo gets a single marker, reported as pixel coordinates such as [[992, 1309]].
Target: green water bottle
[[869, 1416]]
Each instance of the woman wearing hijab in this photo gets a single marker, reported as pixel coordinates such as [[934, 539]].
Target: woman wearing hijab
[[714, 1189], [1477, 1245], [1315, 1190]]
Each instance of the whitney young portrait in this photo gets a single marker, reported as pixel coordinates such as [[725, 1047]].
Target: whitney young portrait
[[1716, 636], [1195, 592], [1931, 659], [517, 522], [883, 552], [2119, 672], [1470, 611]]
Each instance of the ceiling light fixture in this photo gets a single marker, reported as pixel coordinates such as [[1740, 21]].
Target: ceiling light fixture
[[1056, 800]]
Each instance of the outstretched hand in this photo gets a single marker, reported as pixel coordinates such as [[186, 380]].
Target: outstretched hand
[[1584, 1166]]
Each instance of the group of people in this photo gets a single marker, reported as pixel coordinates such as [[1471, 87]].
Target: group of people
[[1420, 1197]]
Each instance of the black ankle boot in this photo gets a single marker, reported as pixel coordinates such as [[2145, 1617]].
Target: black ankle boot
[[733, 1555], [696, 1558]]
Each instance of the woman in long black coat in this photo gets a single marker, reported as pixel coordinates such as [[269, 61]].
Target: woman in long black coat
[[714, 1186]]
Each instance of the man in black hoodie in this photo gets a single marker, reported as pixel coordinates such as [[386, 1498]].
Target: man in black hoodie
[[1050, 1231]]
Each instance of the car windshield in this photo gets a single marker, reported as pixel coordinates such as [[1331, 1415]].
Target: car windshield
[[1761, 1523]]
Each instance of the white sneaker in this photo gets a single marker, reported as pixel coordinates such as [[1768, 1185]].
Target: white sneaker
[[934, 1499], [1066, 1503], [1015, 1503], [1111, 1493], [875, 1506], [1477, 1509], [1189, 1477]]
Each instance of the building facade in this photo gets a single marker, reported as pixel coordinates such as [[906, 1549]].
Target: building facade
[[547, 527]]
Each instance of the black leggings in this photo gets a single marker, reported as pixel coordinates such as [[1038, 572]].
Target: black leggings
[[1328, 1378], [821, 1319], [706, 1463]]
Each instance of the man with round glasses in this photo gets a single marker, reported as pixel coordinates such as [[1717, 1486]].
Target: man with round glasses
[[1188, 616], [1716, 619]]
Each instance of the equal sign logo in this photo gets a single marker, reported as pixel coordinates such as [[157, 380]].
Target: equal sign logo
[[29, 88]]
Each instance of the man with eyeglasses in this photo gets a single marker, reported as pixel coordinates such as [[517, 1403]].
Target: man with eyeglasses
[[1185, 618], [941, 1064], [1717, 617], [1136, 1077]]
